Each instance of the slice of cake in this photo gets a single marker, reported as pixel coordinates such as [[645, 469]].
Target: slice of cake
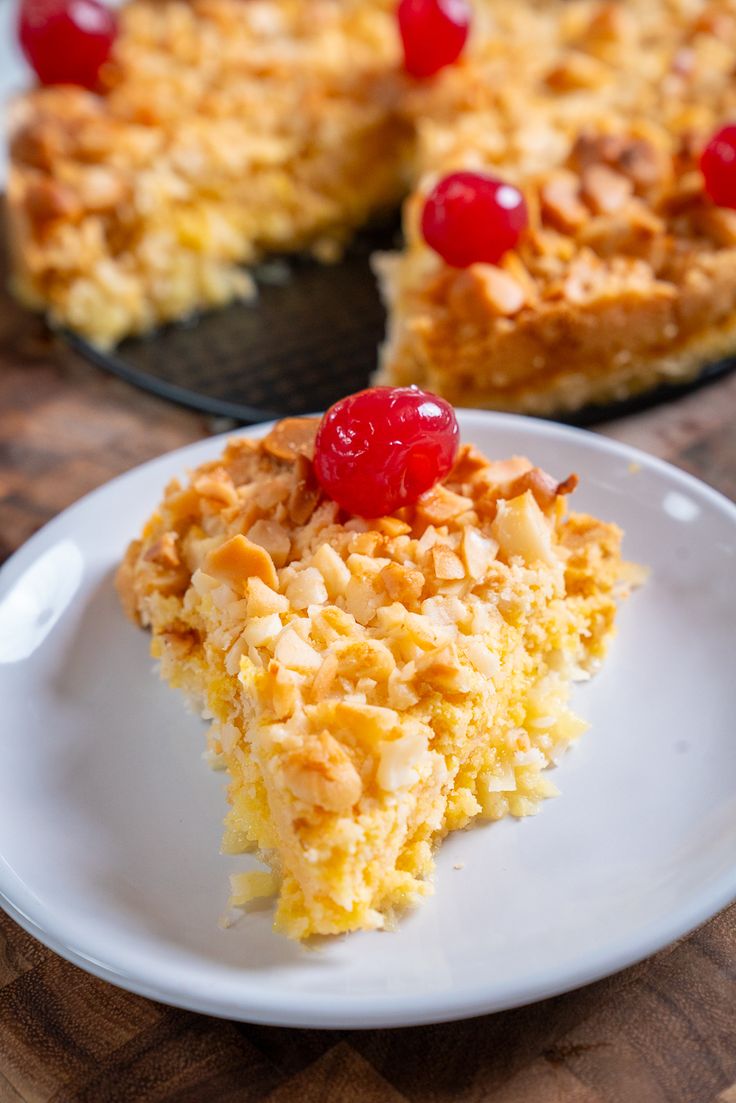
[[626, 274], [374, 683]]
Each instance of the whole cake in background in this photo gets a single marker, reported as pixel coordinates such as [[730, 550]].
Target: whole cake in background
[[373, 682], [567, 168]]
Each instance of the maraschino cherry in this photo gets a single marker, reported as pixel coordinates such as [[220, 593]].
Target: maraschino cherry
[[380, 449], [471, 218], [433, 33], [66, 41], [718, 166]]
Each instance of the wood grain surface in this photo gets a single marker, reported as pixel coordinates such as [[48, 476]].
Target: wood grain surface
[[661, 1032]]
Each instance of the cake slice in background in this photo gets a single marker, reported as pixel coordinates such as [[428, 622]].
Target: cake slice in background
[[222, 131]]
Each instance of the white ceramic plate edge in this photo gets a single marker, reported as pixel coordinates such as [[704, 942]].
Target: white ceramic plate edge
[[361, 1013]]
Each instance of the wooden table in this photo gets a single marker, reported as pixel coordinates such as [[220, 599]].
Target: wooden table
[[662, 1031]]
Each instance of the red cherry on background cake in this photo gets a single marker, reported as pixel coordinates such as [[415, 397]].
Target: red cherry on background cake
[[66, 41], [718, 166], [380, 449], [433, 33], [470, 218]]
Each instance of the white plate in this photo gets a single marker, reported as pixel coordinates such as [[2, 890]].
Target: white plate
[[110, 821]]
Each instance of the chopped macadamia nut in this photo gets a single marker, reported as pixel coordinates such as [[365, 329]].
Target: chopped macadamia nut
[[306, 588], [273, 537], [238, 559], [521, 529], [262, 600], [292, 437], [333, 569], [294, 653], [322, 774]]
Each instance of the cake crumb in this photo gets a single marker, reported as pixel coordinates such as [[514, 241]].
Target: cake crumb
[[256, 884], [459, 865]]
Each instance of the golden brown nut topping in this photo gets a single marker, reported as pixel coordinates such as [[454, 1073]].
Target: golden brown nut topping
[[321, 774], [239, 559], [292, 437]]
